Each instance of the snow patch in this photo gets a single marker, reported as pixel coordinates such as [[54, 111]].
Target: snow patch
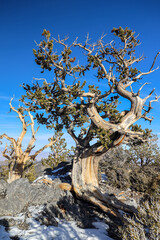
[[56, 170], [66, 230], [103, 177], [51, 177]]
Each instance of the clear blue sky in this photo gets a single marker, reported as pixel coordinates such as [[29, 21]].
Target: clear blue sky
[[22, 22]]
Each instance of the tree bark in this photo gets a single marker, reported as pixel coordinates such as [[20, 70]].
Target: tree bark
[[17, 171], [85, 184], [85, 173]]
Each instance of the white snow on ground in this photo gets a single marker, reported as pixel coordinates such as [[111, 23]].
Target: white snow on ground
[[56, 170], [52, 177], [64, 231], [103, 177]]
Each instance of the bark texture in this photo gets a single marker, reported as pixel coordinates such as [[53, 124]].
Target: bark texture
[[85, 184]]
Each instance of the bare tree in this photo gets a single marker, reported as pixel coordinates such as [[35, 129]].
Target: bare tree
[[72, 104], [17, 157]]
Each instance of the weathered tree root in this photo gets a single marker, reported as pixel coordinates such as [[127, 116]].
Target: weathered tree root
[[108, 204], [114, 202]]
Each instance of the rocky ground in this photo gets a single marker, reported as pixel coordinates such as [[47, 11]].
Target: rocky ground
[[43, 203]]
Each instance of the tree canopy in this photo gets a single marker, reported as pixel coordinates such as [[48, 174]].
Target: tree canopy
[[70, 102]]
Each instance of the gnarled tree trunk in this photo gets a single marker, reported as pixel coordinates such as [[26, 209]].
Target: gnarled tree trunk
[[85, 183], [85, 173], [17, 171], [85, 166], [18, 158]]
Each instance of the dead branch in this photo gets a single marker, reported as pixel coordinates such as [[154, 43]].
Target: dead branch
[[154, 61], [52, 141], [12, 140], [138, 93], [32, 140], [5, 154], [24, 125], [72, 134], [146, 111], [145, 73]]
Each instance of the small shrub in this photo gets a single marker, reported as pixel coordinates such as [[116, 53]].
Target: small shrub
[[146, 225], [31, 174]]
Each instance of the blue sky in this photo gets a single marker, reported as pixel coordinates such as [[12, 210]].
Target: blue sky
[[22, 22]]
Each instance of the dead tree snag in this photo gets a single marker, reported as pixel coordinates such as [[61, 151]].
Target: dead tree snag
[[19, 157]]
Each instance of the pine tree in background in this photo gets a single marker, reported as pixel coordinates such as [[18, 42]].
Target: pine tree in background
[[59, 152], [145, 153]]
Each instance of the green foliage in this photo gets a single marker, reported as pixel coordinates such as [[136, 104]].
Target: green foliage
[[126, 35], [7, 168], [31, 173], [51, 97], [145, 153], [66, 99], [59, 152], [104, 137], [4, 171], [154, 186], [135, 166], [138, 128]]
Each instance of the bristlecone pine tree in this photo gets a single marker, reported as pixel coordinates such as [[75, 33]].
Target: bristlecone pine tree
[[74, 104], [18, 158], [59, 152]]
